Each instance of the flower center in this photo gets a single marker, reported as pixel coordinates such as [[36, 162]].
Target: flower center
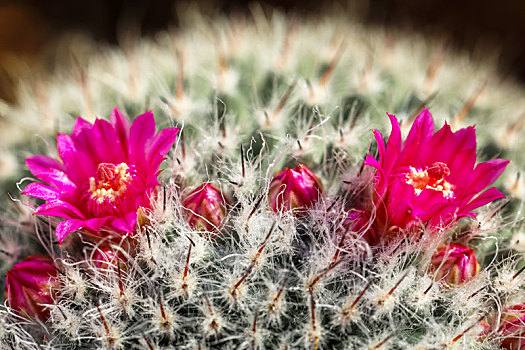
[[431, 178], [112, 182]]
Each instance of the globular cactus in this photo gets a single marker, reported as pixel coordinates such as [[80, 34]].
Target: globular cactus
[[276, 221]]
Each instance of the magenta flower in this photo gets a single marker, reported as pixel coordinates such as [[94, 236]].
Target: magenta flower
[[430, 178], [30, 285], [294, 189], [107, 171], [205, 208], [512, 328], [455, 264]]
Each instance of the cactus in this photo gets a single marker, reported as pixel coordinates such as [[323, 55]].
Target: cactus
[[211, 260]]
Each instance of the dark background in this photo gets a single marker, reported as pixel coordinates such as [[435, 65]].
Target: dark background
[[27, 25]]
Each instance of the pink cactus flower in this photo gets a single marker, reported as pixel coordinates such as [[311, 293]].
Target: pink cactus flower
[[30, 285], [106, 172], [429, 179], [294, 189], [454, 264], [205, 208], [512, 328]]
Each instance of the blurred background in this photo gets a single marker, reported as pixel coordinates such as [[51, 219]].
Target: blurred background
[[29, 27]]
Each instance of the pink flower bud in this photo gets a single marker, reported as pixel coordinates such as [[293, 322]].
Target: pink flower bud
[[106, 257], [455, 264], [205, 208], [293, 189], [30, 285], [512, 328]]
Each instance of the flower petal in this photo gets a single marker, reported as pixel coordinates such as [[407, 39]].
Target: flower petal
[[421, 131], [461, 168], [59, 208], [486, 197], [486, 173], [78, 165], [51, 171], [41, 191], [121, 125], [101, 144], [393, 147], [67, 226], [140, 137], [371, 161], [80, 125], [443, 141], [381, 179], [399, 204], [42, 164], [161, 144], [96, 223], [449, 145], [380, 141], [125, 224]]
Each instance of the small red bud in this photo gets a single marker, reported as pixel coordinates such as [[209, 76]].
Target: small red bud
[[106, 257], [296, 188], [30, 286], [455, 264], [512, 328], [205, 208]]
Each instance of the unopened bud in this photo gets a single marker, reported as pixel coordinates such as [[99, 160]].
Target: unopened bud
[[106, 257], [294, 189], [30, 286], [455, 264], [512, 328], [205, 208]]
